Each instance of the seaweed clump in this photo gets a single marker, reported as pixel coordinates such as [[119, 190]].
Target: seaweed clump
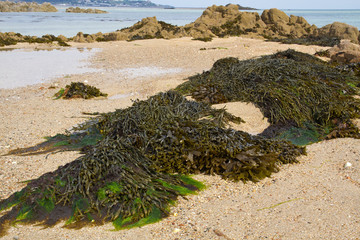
[[292, 89], [324, 41], [79, 90], [133, 174]]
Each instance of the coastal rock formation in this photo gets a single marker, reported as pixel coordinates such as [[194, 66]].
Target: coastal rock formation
[[211, 20], [82, 10], [340, 30], [149, 28], [81, 37], [11, 38], [7, 6], [345, 52], [226, 21], [278, 25], [216, 21]]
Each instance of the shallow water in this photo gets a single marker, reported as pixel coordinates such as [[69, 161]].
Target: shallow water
[[22, 67]]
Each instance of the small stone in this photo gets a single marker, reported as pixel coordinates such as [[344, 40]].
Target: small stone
[[176, 230], [347, 165], [16, 238]]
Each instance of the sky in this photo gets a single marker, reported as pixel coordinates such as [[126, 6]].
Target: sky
[[266, 4]]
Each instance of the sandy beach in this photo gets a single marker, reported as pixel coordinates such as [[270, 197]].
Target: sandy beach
[[318, 198]]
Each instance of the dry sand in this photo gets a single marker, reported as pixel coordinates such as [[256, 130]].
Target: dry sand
[[316, 199]]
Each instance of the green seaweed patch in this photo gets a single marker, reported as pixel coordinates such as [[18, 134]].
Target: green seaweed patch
[[47, 203], [180, 189], [14, 200], [189, 181], [79, 90], [154, 216], [78, 210], [301, 136], [25, 213], [113, 187]]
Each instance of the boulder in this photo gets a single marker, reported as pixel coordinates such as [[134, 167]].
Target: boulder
[[280, 25], [149, 28], [62, 38], [79, 38], [224, 21], [341, 31], [345, 52], [273, 16]]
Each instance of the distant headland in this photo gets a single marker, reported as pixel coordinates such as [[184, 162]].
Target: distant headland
[[9, 6], [104, 3]]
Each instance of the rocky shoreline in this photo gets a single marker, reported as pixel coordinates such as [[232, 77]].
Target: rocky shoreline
[[221, 21], [7, 6], [82, 10]]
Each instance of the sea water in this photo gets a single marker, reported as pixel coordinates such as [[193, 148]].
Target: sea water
[[69, 24], [20, 67]]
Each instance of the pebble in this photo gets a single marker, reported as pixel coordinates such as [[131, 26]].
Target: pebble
[[347, 165]]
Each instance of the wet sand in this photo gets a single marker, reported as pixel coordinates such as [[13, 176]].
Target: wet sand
[[315, 199]]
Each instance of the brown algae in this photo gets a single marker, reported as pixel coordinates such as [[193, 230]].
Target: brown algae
[[292, 89], [79, 90], [131, 176]]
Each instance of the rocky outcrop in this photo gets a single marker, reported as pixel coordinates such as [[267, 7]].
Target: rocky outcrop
[[345, 52], [83, 10], [11, 38], [7, 6], [340, 30], [225, 21], [279, 25], [229, 21], [147, 28]]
